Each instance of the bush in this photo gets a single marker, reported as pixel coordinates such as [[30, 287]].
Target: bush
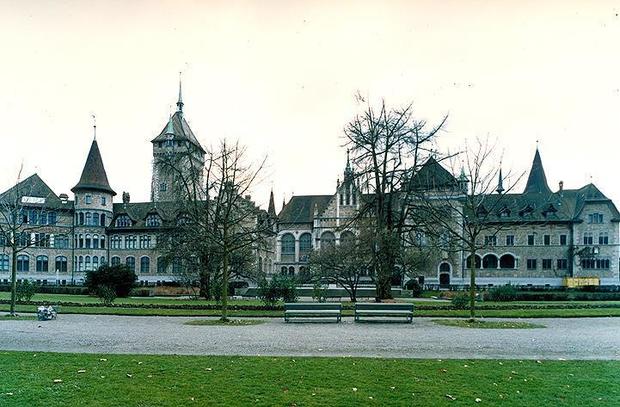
[[319, 292], [25, 290], [107, 294], [502, 293], [119, 278], [279, 287], [460, 301], [415, 287]]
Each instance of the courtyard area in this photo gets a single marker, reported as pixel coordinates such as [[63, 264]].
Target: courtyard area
[[563, 338]]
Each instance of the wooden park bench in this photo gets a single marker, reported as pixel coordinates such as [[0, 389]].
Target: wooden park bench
[[312, 310], [375, 309]]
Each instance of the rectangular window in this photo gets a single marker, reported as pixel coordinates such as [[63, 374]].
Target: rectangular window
[[587, 238], [547, 240], [562, 264], [531, 264], [490, 240], [530, 240], [595, 218], [546, 264], [510, 240], [103, 201], [603, 238], [563, 240], [88, 199]]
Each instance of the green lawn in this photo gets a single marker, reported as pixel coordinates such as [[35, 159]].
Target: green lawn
[[28, 379]]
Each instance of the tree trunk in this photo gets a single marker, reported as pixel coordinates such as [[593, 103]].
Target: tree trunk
[[472, 285], [13, 280], [225, 260]]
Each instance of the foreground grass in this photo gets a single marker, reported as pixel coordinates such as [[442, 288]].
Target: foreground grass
[[465, 323], [231, 322], [48, 379]]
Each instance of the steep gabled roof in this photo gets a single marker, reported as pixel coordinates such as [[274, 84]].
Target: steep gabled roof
[[537, 180], [180, 129], [94, 176], [138, 212], [35, 187], [432, 175], [300, 209]]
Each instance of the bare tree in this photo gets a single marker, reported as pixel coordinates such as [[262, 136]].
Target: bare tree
[[18, 210], [218, 228], [388, 146], [467, 216]]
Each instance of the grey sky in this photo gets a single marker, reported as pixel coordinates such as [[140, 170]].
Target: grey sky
[[281, 76]]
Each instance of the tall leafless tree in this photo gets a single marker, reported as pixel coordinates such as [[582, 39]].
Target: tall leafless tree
[[388, 146]]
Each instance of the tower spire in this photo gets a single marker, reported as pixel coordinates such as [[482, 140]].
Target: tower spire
[[272, 206], [500, 183], [180, 101], [94, 126], [537, 181]]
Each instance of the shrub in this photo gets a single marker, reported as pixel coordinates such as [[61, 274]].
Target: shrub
[[415, 287], [502, 293], [25, 290], [107, 294], [460, 301], [279, 287], [319, 292], [120, 278]]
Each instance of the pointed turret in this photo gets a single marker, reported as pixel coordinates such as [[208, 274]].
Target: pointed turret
[[94, 176], [537, 181], [169, 127], [500, 183], [272, 206], [180, 101]]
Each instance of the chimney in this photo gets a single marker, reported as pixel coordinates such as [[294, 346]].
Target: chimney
[[126, 197], [561, 185], [64, 198]]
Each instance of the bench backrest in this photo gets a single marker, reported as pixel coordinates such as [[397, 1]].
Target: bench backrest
[[313, 306], [383, 306]]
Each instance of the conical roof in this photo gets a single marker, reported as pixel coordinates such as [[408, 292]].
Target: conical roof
[[94, 176], [177, 125], [537, 181], [272, 206]]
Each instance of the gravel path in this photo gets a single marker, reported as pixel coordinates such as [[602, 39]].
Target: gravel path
[[578, 338]]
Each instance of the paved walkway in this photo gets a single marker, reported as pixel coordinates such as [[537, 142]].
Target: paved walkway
[[578, 338]]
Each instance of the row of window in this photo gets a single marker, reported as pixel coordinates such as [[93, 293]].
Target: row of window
[[124, 221], [41, 263], [305, 243], [38, 217], [88, 200], [588, 239], [89, 242], [90, 219], [145, 264], [39, 240], [131, 242]]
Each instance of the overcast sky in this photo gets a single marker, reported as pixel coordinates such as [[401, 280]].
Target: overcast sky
[[280, 76]]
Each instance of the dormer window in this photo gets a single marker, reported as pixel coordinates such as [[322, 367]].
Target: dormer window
[[527, 211], [549, 210], [481, 210], [504, 212], [123, 221], [153, 220]]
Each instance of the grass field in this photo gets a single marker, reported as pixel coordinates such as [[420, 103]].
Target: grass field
[[424, 308], [47, 379], [464, 323]]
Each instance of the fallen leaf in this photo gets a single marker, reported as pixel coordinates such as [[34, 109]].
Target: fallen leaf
[[139, 363], [392, 387], [478, 400], [103, 360], [57, 380], [103, 377], [370, 397], [539, 362], [81, 371], [129, 375], [149, 376], [448, 396], [191, 398], [355, 389], [208, 369], [10, 394]]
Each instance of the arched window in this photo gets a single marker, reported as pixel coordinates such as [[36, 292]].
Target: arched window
[[291, 271], [81, 218], [102, 242], [288, 247], [328, 239], [283, 270], [477, 262], [490, 261], [61, 242], [145, 265], [4, 262], [161, 265], [507, 261], [95, 262], [305, 246], [444, 267], [102, 261], [260, 264], [81, 241], [102, 219], [89, 219], [116, 261], [61, 264], [23, 263], [87, 241], [80, 263], [87, 263], [95, 241], [130, 261], [347, 237], [42, 264]]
